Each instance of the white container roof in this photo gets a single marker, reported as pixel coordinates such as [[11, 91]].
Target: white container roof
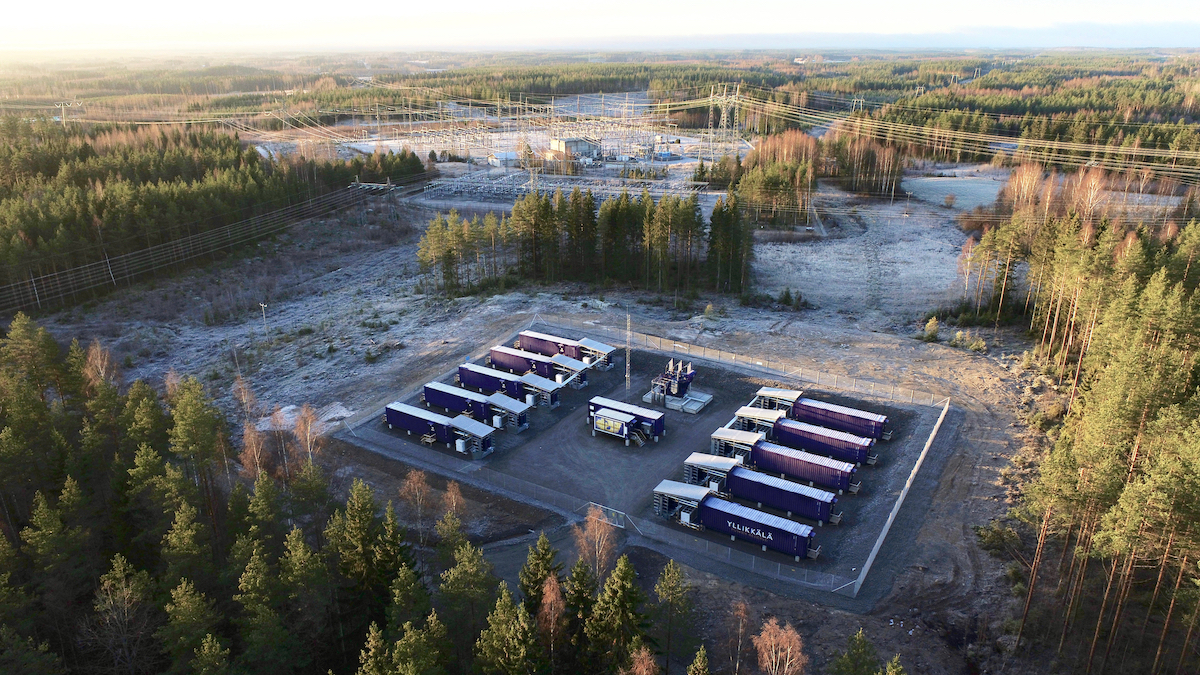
[[829, 433], [760, 414], [495, 372], [712, 462], [508, 403], [682, 491], [520, 352], [549, 337], [594, 346], [471, 426], [419, 412], [626, 407], [614, 415], [574, 365], [738, 436], [540, 383], [782, 394]]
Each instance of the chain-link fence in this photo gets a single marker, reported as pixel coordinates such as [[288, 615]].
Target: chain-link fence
[[67, 285], [773, 366]]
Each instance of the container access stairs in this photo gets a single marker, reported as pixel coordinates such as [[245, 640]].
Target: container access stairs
[[638, 437]]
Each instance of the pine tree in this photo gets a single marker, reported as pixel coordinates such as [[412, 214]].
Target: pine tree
[[409, 601], [699, 665], [211, 657], [858, 659], [539, 564], [508, 646], [892, 667], [616, 617], [450, 537], [375, 658], [185, 549], [189, 616], [422, 651]]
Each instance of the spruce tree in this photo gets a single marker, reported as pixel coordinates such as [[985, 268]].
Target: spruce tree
[[508, 646], [579, 591], [467, 591], [616, 619], [674, 607], [23, 655], [539, 564], [304, 582]]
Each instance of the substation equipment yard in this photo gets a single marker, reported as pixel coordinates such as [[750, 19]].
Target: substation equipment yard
[[794, 484]]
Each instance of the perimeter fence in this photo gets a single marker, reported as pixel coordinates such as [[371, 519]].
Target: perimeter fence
[[69, 285], [784, 369]]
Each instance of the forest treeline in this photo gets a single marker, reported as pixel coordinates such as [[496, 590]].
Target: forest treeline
[[71, 195], [664, 245], [775, 181], [1125, 101], [134, 539], [1107, 556]]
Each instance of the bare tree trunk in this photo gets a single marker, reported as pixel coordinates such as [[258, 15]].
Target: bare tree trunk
[[1033, 572], [1162, 637], [1112, 574]]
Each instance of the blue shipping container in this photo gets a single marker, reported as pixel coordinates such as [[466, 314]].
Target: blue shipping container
[[756, 527], [458, 400], [519, 361], [841, 418], [801, 465], [416, 420], [822, 441], [777, 493], [549, 345], [491, 380]]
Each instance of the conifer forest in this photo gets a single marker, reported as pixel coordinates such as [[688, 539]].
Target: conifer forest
[[1012, 234]]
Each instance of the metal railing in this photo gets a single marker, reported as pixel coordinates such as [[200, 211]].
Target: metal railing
[[785, 369]]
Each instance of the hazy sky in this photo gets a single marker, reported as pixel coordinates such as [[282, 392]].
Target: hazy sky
[[406, 25]]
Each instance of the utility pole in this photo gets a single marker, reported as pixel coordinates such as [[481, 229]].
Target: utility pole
[[628, 349], [264, 312]]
